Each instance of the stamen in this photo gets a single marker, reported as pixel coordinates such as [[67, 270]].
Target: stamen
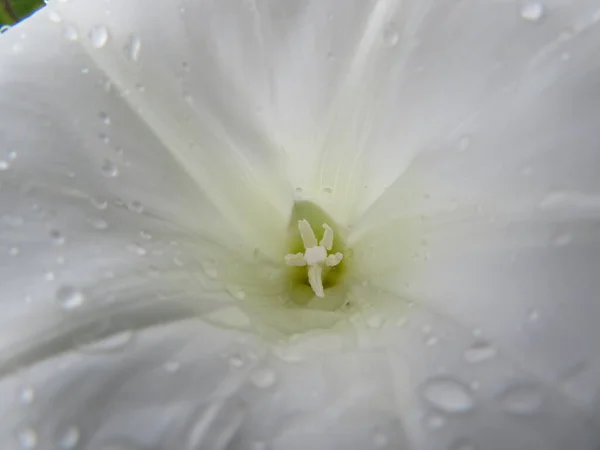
[[315, 255]]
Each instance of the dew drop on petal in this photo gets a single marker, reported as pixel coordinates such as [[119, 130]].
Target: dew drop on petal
[[133, 48], [109, 169], [27, 396], [521, 399], [562, 239], [4, 165], [115, 342], [69, 298], [136, 206], [172, 366], [57, 237], [479, 352], [98, 36], [104, 117], [435, 422], [54, 16], [463, 143], [236, 291], [28, 438], [263, 378], [532, 11], [448, 395], [391, 36], [98, 224], [69, 439], [71, 33]]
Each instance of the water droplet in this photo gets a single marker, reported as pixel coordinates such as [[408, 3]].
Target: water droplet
[[236, 291], [54, 16], [532, 11], [327, 193], [263, 378], [145, 235], [522, 399], [463, 143], [14, 251], [71, 33], [111, 343], [137, 249], [533, 315], [69, 439], [236, 361], [136, 206], [98, 224], [57, 237], [28, 438], [98, 36], [104, 118], [50, 276], [27, 396], [69, 298], [4, 165], [435, 422], [562, 239], [109, 170], [431, 341], [479, 352], [448, 395], [133, 48], [391, 36], [172, 366], [210, 271], [4, 28]]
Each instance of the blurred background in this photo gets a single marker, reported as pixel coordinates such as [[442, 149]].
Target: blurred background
[[11, 11]]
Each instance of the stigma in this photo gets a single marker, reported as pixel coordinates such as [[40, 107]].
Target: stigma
[[316, 255]]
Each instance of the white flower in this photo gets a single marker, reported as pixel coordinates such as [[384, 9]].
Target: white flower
[[162, 290]]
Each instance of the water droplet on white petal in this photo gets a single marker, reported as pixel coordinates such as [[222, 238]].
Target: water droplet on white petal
[[109, 169], [562, 239], [98, 36], [69, 298], [28, 438], [4, 165], [27, 396], [57, 237], [133, 48], [532, 11], [263, 378], [54, 16], [448, 395], [172, 366], [479, 352], [70, 32], [391, 36], [69, 439], [136, 206], [523, 399]]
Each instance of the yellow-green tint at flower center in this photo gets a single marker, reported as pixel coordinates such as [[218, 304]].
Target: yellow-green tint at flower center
[[334, 271]]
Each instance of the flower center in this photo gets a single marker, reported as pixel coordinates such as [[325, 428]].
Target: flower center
[[316, 267], [315, 255]]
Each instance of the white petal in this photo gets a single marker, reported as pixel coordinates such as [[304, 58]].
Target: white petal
[[496, 215], [180, 85]]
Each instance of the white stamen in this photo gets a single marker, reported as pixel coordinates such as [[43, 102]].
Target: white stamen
[[314, 256]]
